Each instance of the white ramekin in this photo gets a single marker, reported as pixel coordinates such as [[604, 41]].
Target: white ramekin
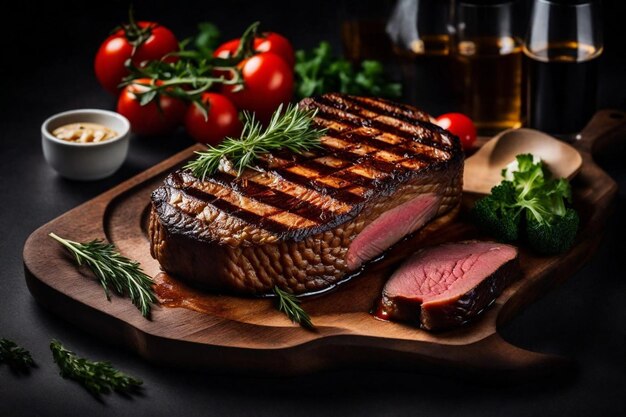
[[86, 161]]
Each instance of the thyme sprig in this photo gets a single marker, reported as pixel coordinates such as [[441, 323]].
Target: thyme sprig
[[114, 271], [290, 129], [97, 377], [290, 305], [16, 357]]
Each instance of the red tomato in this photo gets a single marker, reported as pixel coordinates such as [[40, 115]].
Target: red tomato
[[227, 49], [460, 125], [116, 49], [222, 120], [268, 82], [275, 43], [266, 42], [150, 119]]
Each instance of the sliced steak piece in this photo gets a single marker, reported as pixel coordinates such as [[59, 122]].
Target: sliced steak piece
[[447, 285], [304, 221]]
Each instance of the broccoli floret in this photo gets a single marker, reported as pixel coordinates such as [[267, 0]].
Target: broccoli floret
[[530, 202], [555, 236], [497, 215]]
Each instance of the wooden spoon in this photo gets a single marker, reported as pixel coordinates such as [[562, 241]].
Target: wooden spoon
[[483, 170]]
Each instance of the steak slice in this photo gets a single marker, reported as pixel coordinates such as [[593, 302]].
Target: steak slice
[[447, 285], [304, 221]]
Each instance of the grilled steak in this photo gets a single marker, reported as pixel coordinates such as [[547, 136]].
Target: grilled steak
[[447, 285], [305, 221]]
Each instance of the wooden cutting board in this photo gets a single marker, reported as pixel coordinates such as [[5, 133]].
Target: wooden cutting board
[[248, 335]]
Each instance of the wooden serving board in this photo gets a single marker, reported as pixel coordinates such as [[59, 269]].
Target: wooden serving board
[[248, 335]]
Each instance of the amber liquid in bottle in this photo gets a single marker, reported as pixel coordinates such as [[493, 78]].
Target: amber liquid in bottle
[[562, 84], [491, 72]]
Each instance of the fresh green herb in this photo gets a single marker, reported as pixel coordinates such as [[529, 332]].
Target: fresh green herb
[[207, 39], [531, 204], [290, 305], [184, 79], [16, 357], [97, 377], [291, 129], [194, 71], [114, 271], [318, 72]]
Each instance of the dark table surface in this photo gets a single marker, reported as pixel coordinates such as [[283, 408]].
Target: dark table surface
[[47, 68]]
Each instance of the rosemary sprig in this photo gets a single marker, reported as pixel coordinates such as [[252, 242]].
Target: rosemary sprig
[[290, 305], [291, 129], [18, 358], [97, 377], [115, 271]]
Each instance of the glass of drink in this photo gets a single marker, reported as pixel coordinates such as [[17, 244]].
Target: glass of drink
[[561, 51], [421, 34], [489, 50], [363, 31]]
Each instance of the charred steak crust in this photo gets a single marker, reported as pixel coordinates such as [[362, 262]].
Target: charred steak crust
[[291, 222]]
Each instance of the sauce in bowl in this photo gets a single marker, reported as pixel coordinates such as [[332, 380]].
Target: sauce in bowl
[[84, 133]]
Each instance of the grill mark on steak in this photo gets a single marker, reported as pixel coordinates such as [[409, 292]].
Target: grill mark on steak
[[352, 178], [322, 171], [336, 193], [301, 208], [365, 107], [272, 197], [410, 130], [330, 110], [395, 149], [233, 210], [378, 105]]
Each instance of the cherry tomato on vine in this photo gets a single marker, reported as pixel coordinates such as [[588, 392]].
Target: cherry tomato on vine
[[150, 119], [266, 42], [275, 43], [151, 40], [460, 125], [268, 82], [222, 120], [227, 49]]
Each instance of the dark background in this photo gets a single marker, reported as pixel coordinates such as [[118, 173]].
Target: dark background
[[47, 52]]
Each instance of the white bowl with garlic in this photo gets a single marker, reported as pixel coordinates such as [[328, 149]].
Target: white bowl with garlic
[[85, 144]]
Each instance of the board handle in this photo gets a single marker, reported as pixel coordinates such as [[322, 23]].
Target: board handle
[[495, 354], [605, 129]]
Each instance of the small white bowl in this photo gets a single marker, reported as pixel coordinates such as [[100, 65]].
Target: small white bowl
[[86, 161]]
